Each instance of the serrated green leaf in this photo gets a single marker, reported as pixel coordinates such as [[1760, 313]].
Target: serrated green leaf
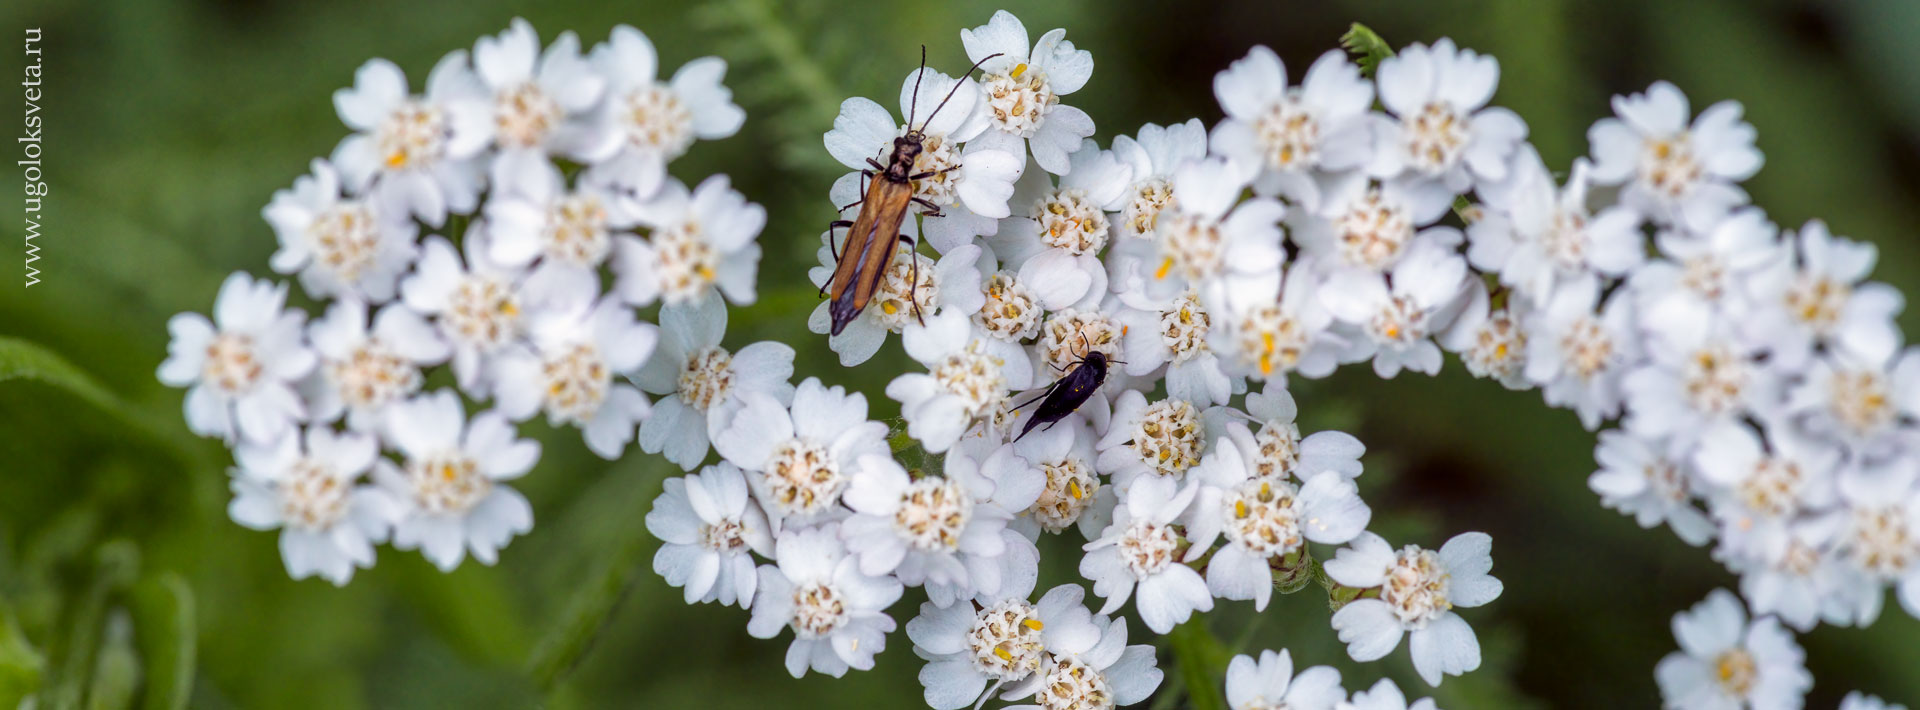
[[164, 629], [1366, 46]]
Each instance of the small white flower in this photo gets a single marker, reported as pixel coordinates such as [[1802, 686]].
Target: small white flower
[[704, 384], [1368, 226], [1009, 314], [1270, 683], [1384, 695], [1695, 381], [477, 305], [645, 123], [1535, 234], [709, 531], [1022, 88], [1853, 403], [1265, 520], [1277, 450], [1726, 662], [1822, 298], [1158, 440], [1579, 349], [1211, 241], [1808, 582], [308, 487], [1289, 132], [570, 233], [1004, 641], [340, 246], [1399, 319], [1709, 277], [837, 614], [1880, 537], [449, 490], [1637, 479], [1175, 335], [1140, 548], [1674, 172], [1857, 700], [1154, 155], [419, 155], [971, 182], [1291, 334], [701, 242], [240, 367], [1099, 674], [1419, 589], [1756, 487], [579, 349], [363, 370], [1492, 343], [963, 384], [799, 459], [1445, 130], [950, 283], [1073, 494], [538, 101], [1056, 241]]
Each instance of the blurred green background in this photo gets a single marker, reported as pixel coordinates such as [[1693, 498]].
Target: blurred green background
[[171, 122]]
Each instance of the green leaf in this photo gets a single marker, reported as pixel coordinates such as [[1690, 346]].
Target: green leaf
[[1366, 46], [1201, 662], [586, 615], [21, 665], [23, 360], [164, 629]]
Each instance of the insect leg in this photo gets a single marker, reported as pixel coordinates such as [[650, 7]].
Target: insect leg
[[913, 294], [932, 210], [864, 176], [1043, 394], [830, 227], [931, 173], [877, 166]]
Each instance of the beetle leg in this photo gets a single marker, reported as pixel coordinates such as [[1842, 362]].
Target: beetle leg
[[876, 164], [933, 210], [913, 293], [830, 227], [931, 173]]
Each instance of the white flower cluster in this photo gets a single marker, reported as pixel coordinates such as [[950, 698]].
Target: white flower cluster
[[448, 230], [1269, 682]]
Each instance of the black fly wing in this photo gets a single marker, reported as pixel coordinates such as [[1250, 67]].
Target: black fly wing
[[1072, 390]]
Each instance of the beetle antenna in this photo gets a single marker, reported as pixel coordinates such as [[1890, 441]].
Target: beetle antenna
[[956, 89], [914, 105]]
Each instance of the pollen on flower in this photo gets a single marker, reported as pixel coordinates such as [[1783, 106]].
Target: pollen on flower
[[687, 263], [1373, 231], [818, 611], [1148, 548], [728, 535], [1010, 312], [1399, 322], [448, 483], [1006, 641], [974, 376], [1288, 134], [576, 231], [933, 513], [312, 495], [802, 477], [1817, 302], [706, 379], [1269, 340], [1151, 197], [413, 136], [1772, 489], [901, 288], [371, 376], [1069, 222], [524, 115], [1587, 348], [1705, 275], [938, 156], [1169, 437], [231, 365], [1069, 491], [1668, 165], [654, 118], [1435, 137], [483, 311], [1881, 541], [345, 239], [1565, 239], [1735, 671], [1278, 451], [1191, 246], [1020, 99], [1715, 379], [1499, 347], [1416, 587], [1183, 327], [577, 382], [1860, 400], [1262, 515], [1071, 684], [1665, 480], [1070, 334]]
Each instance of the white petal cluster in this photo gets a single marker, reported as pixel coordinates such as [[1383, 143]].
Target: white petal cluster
[[445, 232]]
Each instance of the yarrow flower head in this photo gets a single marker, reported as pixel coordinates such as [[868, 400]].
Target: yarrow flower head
[[241, 367], [1725, 661], [1418, 591]]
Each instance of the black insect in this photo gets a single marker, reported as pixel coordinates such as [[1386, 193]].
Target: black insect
[[1078, 381]]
